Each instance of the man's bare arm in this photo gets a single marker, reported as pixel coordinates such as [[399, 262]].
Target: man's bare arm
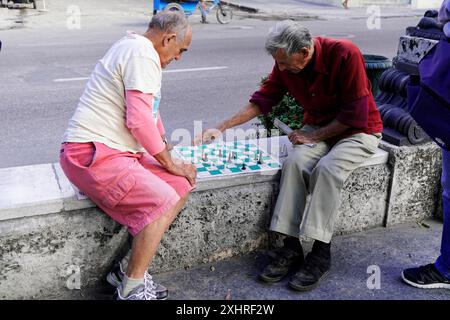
[[184, 170], [247, 113]]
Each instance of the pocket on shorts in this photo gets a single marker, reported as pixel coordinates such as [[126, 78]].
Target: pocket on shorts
[[118, 190], [82, 155]]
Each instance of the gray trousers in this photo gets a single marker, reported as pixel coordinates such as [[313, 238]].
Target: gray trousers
[[320, 171]]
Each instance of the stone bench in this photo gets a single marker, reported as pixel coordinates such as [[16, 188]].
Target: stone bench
[[48, 237]]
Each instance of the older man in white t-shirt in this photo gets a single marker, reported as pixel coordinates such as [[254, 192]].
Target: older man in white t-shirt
[[114, 149]]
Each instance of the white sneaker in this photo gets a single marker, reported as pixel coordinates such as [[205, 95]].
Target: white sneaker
[[116, 275], [141, 292]]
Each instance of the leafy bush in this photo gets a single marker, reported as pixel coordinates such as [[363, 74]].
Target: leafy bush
[[288, 111]]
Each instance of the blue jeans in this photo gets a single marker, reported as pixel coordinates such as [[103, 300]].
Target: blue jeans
[[443, 262]]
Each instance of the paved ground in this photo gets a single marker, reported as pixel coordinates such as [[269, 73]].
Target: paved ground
[[390, 249], [354, 256]]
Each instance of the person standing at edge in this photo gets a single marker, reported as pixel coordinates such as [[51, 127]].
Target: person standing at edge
[[435, 71]]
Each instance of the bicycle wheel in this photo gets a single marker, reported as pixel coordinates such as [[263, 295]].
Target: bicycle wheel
[[224, 14], [173, 6]]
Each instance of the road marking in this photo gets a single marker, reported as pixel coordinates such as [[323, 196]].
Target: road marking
[[70, 79], [166, 71], [339, 35], [195, 69]]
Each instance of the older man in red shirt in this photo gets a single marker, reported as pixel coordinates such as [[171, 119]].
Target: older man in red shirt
[[341, 128]]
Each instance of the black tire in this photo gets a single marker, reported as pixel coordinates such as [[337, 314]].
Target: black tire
[[173, 6], [224, 14]]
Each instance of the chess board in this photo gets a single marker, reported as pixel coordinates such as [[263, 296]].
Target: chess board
[[232, 158]]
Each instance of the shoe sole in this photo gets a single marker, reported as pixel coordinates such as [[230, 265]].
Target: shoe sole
[[426, 286], [310, 287], [270, 280], [292, 269], [112, 280]]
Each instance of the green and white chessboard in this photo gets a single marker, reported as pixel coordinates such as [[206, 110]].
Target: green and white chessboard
[[219, 162]]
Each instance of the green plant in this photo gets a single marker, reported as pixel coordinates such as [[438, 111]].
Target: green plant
[[288, 111]]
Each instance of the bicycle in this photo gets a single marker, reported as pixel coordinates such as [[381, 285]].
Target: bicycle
[[224, 13]]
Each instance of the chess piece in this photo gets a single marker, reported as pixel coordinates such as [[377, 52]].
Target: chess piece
[[244, 167], [260, 158], [229, 158], [205, 157], [220, 153]]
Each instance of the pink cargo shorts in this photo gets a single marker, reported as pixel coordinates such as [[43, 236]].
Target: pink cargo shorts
[[132, 188]]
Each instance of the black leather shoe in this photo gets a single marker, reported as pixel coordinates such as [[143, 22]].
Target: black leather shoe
[[283, 260], [315, 268], [425, 277]]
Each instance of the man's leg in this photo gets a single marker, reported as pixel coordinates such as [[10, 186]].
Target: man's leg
[[288, 210], [203, 10], [144, 247], [327, 180], [294, 185], [443, 262], [146, 242], [436, 275], [182, 187]]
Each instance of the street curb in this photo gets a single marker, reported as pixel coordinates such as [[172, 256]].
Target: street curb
[[261, 14], [240, 7]]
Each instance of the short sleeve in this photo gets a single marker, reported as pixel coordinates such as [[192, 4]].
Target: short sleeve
[[142, 74]]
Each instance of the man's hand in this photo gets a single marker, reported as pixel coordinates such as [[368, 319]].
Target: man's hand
[[190, 172], [302, 137], [207, 136]]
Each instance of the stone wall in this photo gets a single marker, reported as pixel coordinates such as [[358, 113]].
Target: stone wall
[[40, 255], [415, 180]]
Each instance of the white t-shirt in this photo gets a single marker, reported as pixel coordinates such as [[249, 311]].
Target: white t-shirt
[[132, 63]]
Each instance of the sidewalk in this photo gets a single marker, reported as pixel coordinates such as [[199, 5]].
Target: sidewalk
[[303, 10], [390, 249]]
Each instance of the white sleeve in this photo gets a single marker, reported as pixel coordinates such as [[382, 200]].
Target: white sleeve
[[142, 74]]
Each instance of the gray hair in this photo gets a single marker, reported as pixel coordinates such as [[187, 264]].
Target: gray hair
[[170, 22], [288, 35]]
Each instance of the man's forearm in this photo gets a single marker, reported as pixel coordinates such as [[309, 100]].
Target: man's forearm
[[247, 113], [165, 159], [334, 128]]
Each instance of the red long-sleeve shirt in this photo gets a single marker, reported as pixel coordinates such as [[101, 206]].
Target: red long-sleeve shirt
[[333, 86]]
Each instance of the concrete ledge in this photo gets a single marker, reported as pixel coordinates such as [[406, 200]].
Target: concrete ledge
[[44, 189], [29, 191]]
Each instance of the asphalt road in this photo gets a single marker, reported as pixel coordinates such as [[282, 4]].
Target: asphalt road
[[40, 64]]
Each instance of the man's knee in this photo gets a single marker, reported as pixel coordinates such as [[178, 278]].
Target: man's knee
[[294, 160], [329, 168]]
